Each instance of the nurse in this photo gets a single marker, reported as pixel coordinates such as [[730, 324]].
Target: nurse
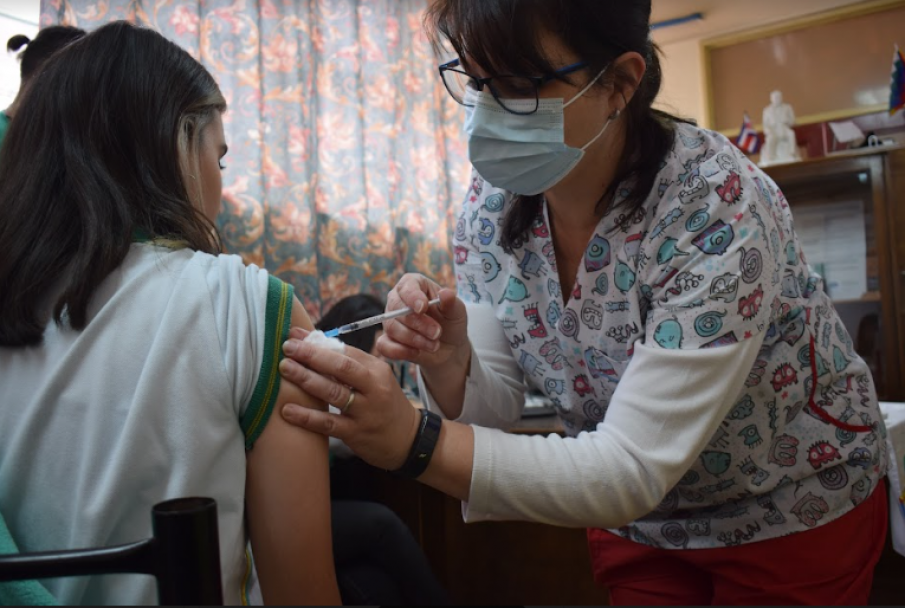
[[724, 443]]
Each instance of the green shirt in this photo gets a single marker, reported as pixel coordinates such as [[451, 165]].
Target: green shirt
[[4, 125]]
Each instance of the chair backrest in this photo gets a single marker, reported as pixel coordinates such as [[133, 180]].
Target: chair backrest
[[183, 555]]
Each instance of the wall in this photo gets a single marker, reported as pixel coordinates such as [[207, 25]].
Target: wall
[[683, 80], [683, 68], [27, 10]]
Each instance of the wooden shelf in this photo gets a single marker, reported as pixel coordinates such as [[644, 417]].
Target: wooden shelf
[[870, 296], [863, 151]]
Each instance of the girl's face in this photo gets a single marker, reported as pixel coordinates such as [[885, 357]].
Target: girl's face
[[212, 149]]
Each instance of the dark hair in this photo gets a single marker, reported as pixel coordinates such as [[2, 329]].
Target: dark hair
[[504, 37], [349, 310], [46, 43], [99, 153]]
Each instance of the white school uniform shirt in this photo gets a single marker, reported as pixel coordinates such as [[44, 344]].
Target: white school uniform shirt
[[698, 366], [157, 398]]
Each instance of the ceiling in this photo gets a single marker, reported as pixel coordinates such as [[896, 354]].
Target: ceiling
[[24, 10], [724, 16]]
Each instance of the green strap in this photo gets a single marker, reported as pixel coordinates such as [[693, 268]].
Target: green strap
[[276, 331]]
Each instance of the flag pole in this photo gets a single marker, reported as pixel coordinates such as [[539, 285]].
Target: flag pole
[[826, 151]]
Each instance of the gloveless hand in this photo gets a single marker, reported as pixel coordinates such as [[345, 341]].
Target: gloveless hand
[[380, 423], [433, 335]]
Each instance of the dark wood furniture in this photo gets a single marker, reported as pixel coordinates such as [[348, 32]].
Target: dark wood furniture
[[876, 177]]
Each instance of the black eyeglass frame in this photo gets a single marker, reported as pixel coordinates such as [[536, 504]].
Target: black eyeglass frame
[[480, 83]]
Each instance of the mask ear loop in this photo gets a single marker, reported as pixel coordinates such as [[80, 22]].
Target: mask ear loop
[[609, 121], [587, 88], [614, 116]]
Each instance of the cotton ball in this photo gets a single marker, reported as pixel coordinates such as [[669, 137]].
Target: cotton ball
[[319, 339]]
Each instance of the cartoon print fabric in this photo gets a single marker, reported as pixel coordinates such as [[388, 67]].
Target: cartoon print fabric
[[710, 260]]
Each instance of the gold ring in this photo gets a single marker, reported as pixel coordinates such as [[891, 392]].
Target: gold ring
[[349, 400]]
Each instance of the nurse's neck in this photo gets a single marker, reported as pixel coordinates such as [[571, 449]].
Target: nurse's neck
[[575, 204]]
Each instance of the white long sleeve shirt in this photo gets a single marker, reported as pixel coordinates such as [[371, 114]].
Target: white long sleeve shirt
[[646, 448]]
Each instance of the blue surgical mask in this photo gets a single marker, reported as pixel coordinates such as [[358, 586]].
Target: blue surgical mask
[[524, 154]]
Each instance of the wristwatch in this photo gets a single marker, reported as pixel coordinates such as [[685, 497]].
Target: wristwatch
[[423, 446]]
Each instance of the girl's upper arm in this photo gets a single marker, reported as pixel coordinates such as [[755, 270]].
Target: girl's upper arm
[[288, 504]]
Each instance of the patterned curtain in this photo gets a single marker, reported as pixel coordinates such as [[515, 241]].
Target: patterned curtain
[[346, 160]]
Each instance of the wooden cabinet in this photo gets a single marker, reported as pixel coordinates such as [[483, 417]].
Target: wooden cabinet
[[874, 183]]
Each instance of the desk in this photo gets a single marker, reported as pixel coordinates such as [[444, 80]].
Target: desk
[[541, 425], [889, 588], [894, 416]]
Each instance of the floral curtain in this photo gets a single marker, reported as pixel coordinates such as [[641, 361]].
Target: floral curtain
[[346, 160]]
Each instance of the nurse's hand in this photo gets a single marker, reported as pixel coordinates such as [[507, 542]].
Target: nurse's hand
[[431, 339], [379, 424]]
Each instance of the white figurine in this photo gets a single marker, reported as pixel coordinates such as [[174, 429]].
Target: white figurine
[[779, 138]]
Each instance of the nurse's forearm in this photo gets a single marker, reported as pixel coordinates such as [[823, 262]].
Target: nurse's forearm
[[452, 462], [447, 384], [661, 417], [483, 385]]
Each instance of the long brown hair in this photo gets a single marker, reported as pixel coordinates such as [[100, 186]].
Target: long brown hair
[[504, 37], [97, 154]]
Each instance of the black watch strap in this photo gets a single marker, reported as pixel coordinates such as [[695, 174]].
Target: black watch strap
[[423, 447]]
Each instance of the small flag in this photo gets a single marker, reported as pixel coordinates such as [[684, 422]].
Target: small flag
[[897, 83], [748, 140]]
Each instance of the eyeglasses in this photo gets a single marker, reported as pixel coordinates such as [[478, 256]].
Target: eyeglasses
[[506, 89]]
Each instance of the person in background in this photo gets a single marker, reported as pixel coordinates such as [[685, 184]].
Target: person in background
[[351, 309], [37, 51], [137, 364], [356, 308], [378, 561], [724, 442]]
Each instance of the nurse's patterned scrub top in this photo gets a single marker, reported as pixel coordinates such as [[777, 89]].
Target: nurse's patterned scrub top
[[711, 259]]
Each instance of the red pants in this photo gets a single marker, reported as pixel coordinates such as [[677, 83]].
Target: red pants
[[830, 565]]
